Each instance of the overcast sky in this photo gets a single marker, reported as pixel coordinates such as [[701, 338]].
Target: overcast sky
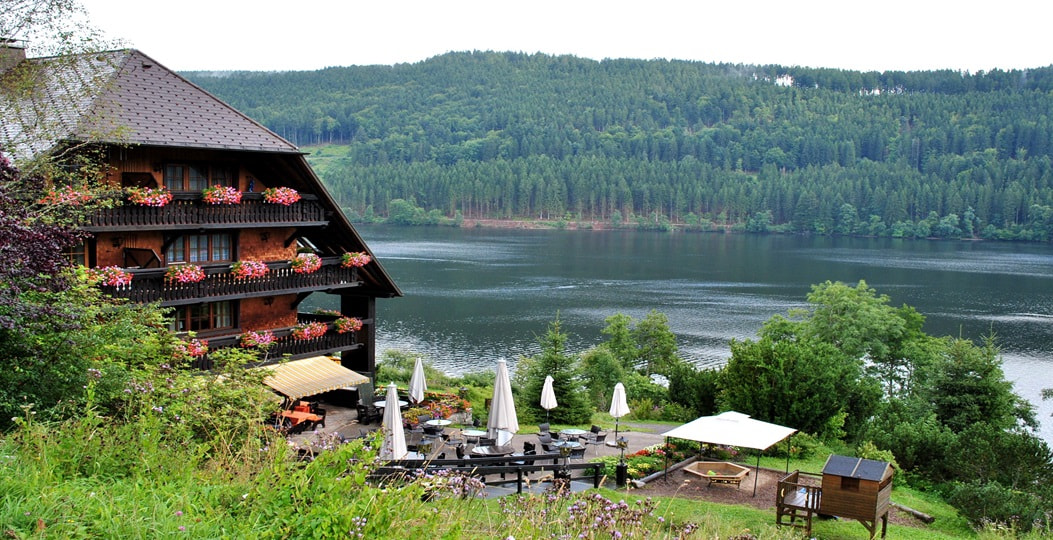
[[311, 34]]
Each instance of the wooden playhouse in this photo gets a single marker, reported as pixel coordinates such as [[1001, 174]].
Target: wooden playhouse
[[853, 488]]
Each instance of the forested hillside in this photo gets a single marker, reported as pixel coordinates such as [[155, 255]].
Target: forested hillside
[[512, 135]]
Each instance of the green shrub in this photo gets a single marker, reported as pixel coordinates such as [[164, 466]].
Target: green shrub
[[993, 503]]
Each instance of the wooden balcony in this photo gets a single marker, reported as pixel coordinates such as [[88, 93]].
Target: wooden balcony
[[188, 211], [286, 344], [150, 285]]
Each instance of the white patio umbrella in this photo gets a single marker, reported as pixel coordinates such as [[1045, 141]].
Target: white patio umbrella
[[548, 396], [619, 407], [417, 384], [394, 446], [502, 422]]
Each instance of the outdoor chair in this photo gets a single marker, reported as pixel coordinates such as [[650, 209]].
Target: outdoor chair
[[529, 448], [434, 432], [598, 440], [543, 428], [577, 453], [544, 438], [365, 394], [368, 414], [486, 441]]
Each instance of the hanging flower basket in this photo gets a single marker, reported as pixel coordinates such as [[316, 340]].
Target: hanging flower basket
[[185, 273], [109, 276], [149, 196], [193, 348], [221, 195], [355, 259], [257, 339], [347, 324], [248, 269], [281, 195], [312, 330], [66, 195], [305, 263]]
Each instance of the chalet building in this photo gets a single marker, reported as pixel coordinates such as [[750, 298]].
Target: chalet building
[[218, 218]]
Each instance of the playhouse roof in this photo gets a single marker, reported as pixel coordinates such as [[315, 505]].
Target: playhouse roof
[[852, 467]]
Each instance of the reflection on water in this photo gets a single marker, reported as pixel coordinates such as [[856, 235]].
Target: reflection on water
[[473, 296]]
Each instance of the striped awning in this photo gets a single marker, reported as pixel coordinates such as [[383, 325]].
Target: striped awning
[[311, 376]]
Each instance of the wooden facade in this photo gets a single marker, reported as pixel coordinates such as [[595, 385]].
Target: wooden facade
[[177, 137]]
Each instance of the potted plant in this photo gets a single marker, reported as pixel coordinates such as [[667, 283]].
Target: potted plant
[[347, 324], [185, 273], [221, 195], [110, 276], [257, 339], [281, 195], [248, 269], [144, 196], [312, 330], [354, 259], [305, 263]]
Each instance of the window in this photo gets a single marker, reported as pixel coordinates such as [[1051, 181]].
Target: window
[[202, 317], [77, 254], [849, 484], [200, 248], [196, 177]]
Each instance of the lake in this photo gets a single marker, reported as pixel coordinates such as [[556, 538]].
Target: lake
[[475, 295]]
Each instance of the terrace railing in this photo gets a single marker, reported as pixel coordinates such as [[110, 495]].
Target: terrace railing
[[150, 285], [187, 210], [286, 344]]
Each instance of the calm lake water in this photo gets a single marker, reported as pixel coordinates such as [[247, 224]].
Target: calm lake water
[[475, 295]]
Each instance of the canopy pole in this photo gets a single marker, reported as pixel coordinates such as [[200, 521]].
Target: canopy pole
[[756, 475], [788, 439]]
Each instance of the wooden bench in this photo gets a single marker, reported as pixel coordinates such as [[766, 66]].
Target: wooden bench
[[719, 472]]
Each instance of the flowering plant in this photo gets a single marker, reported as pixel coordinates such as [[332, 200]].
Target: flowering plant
[[221, 195], [185, 273], [193, 348], [110, 276], [347, 324], [248, 269], [354, 260], [310, 330], [66, 195], [149, 196], [257, 339], [281, 195], [305, 263]]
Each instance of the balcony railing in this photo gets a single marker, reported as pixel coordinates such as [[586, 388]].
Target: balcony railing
[[187, 210], [150, 285], [286, 344]]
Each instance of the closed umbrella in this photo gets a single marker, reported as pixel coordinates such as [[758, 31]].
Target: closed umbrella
[[417, 384], [394, 435], [619, 407], [548, 396], [502, 422]]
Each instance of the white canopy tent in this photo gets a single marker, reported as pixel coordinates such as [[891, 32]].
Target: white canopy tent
[[733, 429]]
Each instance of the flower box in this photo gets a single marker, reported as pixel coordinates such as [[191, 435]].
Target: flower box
[[347, 324], [248, 269], [110, 276], [310, 330], [185, 273], [305, 263], [221, 195], [149, 196], [354, 259], [257, 339], [67, 195], [281, 195]]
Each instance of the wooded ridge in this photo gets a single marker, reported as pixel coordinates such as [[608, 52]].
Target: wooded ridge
[[513, 135]]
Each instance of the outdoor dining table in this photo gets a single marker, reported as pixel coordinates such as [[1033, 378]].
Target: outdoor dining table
[[493, 451], [300, 416], [573, 432], [441, 422], [383, 403]]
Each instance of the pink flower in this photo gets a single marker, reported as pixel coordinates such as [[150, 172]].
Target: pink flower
[[257, 339], [248, 269], [305, 263], [354, 259], [347, 324], [310, 330], [110, 276], [185, 273], [66, 195], [149, 196], [281, 195], [221, 195]]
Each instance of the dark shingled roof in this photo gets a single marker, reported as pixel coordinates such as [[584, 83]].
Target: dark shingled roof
[[127, 97], [864, 469]]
